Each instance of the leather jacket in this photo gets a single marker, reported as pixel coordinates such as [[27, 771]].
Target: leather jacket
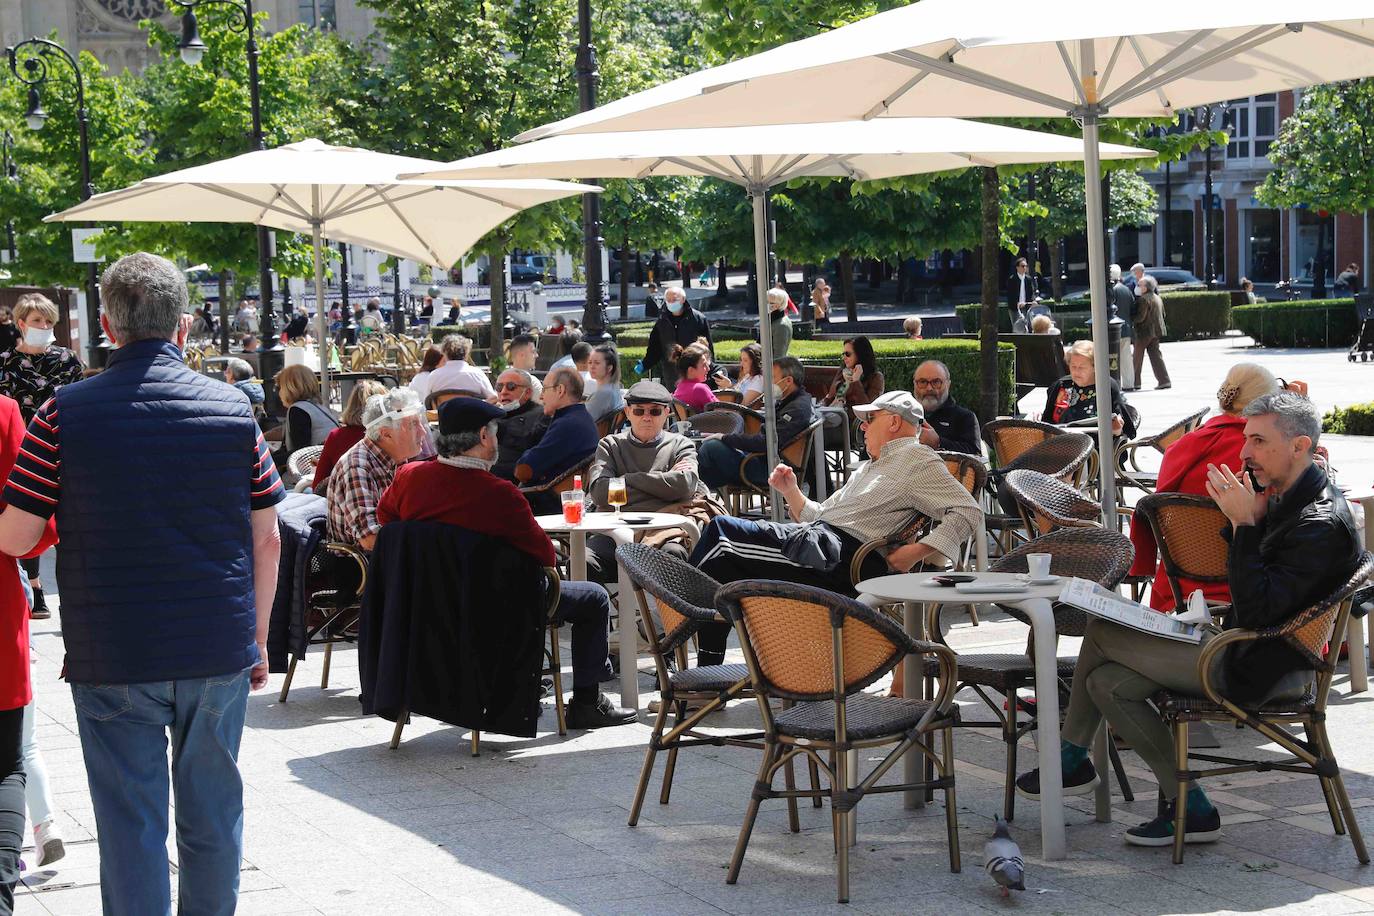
[[1304, 548], [516, 433]]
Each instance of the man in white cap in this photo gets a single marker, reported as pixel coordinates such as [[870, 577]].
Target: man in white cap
[[901, 477]]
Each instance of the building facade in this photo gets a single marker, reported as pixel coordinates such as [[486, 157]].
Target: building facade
[[109, 29]]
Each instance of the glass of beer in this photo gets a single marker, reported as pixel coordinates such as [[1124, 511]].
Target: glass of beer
[[572, 507], [616, 495]]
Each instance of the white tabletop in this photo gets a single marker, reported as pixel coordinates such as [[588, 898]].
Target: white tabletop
[[914, 587], [597, 522]]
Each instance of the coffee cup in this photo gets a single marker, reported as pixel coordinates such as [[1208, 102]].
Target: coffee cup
[[1038, 565]]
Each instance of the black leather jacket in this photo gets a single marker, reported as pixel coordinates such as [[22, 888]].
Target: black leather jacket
[[516, 433], [1304, 548]]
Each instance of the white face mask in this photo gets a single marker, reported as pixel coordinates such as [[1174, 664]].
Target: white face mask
[[675, 306], [777, 390], [508, 406], [38, 337]]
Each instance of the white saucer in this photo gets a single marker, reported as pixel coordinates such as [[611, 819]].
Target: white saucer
[[1048, 580]]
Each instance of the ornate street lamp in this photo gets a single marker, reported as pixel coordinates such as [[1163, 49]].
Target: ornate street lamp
[[1211, 117], [594, 310], [11, 175], [38, 57]]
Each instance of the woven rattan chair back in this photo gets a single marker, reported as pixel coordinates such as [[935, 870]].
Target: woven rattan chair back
[[1313, 632], [752, 419], [609, 422], [969, 470], [1063, 456], [1187, 530], [1162, 440], [303, 460], [1048, 504], [724, 422], [1008, 438], [729, 396], [808, 644], [681, 410], [1095, 554], [685, 595]]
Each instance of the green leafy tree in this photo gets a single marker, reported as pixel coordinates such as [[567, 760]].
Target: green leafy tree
[[645, 214]]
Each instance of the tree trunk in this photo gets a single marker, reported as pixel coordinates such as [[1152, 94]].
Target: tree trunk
[[851, 304], [901, 281], [224, 316], [1319, 262], [497, 349], [1056, 278], [624, 269], [987, 376]]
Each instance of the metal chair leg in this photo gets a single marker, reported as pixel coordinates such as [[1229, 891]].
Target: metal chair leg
[[1010, 737], [556, 663], [951, 805], [670, 768], [1181, 800], [1343, 797], [815, 780], [1119, 768], [476, 743], [401, 721], [647, 770], [789, 780], [324, 677], [286, 684], [841, 826], [746, 828]]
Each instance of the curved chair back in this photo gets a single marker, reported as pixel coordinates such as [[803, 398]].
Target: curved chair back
[[1063, 456], [1095, 554], [808, 644], [685, 595], [1187, 530], [1312, 632], [798, 452], [753, 420], [609, 422], [303, 460], [969, 470], [1047, 503], [435, 398], [1008, 438], [724, 422], [560, 483], [681, 410], [729, 396]]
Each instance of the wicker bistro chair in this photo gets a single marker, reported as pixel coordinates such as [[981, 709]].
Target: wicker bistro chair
[[729, 395], [1316, 635], [1129, 473], [686, 602], [1066, 456], [335, 580], [796, 453], [1007, 438], [752, 419], [681, 410], [302, 465], [1088, 553], [609, 422], [724, 422], [820, 650], [560, 483], [1187, 530], [1048, 504]]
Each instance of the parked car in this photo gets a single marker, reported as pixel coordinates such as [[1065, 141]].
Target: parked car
[[667, 267], [1175, 278], [519, 273]]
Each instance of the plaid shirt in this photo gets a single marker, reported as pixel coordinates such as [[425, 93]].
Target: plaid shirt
[[883, 493], [355, 486]]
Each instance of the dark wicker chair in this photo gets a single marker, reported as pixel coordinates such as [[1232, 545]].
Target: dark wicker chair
[[334, 587], [717, 421], [1187, 530], [1067, 456], [1088, 553], [752, 419], [685, 597], [1007, 438], [796, 454], [820, 650], [610, 422], [1129, 472], [1047, 503], [729, 395], [1316, 635], [560, 483]]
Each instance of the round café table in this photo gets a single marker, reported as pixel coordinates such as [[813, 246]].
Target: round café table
[[622, 532], [1036, 602]]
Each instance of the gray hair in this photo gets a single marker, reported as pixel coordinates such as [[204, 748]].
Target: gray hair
[[936, 362], [1293, 413], [1114, 271], [525, 378], [1149, 283], [777, 297], [144, 297], [566, 375], [386, 411], [792, 367], [451, 445], [238, 369], [675, 289], [374, 303], [1137, 266]]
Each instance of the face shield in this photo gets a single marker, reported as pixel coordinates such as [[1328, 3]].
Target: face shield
[[392, 411]]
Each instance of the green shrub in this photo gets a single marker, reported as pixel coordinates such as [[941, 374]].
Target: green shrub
[[1325, 323], [1355, 420], [897, 359], [1196, 314], [971, 315]]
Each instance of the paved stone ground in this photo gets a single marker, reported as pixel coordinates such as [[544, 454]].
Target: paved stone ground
[[338, 823]]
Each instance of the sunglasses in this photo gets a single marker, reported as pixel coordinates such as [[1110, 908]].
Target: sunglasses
[[510, 386], [654, 411]]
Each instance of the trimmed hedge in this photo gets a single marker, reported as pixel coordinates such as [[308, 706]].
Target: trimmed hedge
[[1188, 314], [897, 359], [1326, 323], [1355, 420]]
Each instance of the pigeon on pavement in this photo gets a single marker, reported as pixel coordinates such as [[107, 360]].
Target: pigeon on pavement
[[1002, 859]]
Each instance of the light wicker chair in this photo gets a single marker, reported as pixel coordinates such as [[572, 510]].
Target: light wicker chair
[[1129, 472], [302, 463], [1187, 530], [796, 454], [1007, 438], [1315, 634], [820, 650]]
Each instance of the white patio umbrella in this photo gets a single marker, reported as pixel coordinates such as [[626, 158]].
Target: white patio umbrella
[[988, 58], [345, 193], [757, 158]]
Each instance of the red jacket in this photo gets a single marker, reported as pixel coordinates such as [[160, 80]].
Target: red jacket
[[15, 689], [336, 443], [1184, 470], [430, 491]]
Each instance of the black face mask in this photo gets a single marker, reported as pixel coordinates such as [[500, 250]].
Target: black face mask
[[776, 315]]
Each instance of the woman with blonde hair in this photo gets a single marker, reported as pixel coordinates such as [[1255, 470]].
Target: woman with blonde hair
[[1074, 397], [1184, 470], [308, 422]]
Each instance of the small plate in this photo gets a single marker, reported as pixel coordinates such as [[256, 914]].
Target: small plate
[[636, 519]]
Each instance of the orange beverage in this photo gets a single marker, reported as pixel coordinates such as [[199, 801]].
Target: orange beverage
[[572, 509]]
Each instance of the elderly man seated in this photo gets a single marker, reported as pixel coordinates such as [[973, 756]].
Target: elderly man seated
[[659, 469], [459, 489], [1293, 542], [901, 477], [394, 432], [523, 424], [948, 426], [570, 439], [721, 455], [456, 374], [239, 373]]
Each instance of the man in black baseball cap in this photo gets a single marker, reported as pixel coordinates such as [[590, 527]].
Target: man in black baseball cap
[[459, 489]]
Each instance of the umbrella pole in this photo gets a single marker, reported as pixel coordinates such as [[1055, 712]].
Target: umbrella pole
[[758, 194], [1097, 272], [321, 313]]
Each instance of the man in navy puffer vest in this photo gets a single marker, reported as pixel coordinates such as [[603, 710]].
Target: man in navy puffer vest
[[164, 494]]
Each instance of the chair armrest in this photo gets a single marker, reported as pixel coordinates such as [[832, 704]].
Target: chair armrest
[[354, 554], [744, 479], [948, 677], [860, 555], [1209, 653], [555, 590]]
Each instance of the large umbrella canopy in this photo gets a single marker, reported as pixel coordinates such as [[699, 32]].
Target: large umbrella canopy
[[344, 193], [759, 157], [987, 58]]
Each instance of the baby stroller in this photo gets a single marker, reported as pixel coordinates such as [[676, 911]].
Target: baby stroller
[[1364, 339]]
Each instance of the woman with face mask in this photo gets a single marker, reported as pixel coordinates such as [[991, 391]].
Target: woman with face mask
[[9, 336], [31, 372]]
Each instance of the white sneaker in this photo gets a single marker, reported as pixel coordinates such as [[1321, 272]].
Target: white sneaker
[[48, 839]]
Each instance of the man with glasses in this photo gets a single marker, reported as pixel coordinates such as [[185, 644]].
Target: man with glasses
[[523, 423], [948, 427], [570, 439], [659, 467]]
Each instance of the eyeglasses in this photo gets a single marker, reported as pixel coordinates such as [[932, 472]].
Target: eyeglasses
[[930, 383], [848, 355], [510, 386], [653, 411]]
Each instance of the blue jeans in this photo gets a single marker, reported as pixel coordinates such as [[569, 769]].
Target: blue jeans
[[123, 730], [718, 465]]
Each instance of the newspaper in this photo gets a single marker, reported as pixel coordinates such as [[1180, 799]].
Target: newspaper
[[1099, 602]]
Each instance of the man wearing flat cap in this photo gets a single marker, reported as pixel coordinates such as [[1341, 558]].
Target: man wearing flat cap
[[459, 489], [659, 467], [901, 477]]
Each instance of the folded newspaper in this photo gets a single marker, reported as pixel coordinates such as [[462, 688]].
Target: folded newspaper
[[1099, 602]]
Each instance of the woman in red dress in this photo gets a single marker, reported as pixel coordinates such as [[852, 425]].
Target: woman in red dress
[[1184, 470]]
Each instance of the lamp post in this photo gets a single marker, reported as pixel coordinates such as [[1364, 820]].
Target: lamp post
[[1160, 131], [41, 56], [594, 310], [1032, 243], [11, 175], [1207, 115]]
